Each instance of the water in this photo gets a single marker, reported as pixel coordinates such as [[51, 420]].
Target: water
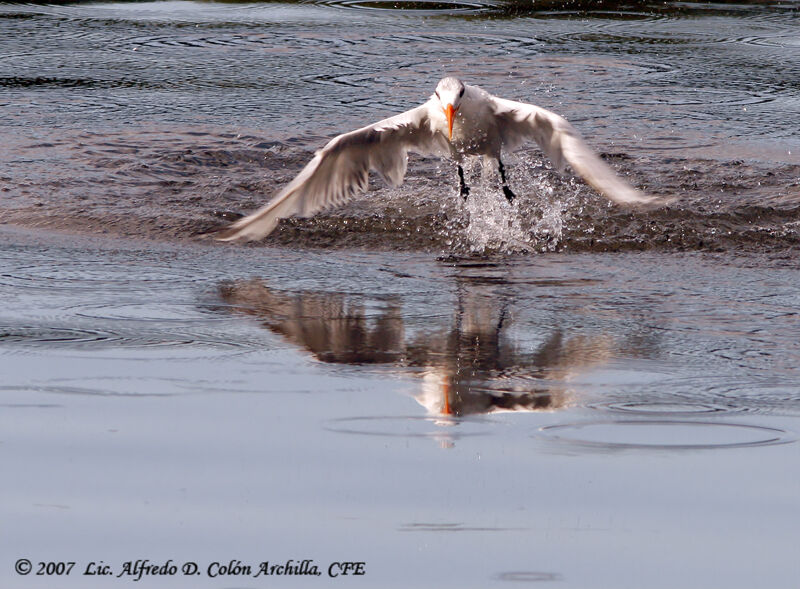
[[184, 115], [569, 418], [458, 394]]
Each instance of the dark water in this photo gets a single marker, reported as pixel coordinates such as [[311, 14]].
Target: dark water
[[167, 118], [472, 395]]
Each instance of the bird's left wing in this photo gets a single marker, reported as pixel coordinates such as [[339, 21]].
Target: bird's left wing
[[560, 141], [340, 170]]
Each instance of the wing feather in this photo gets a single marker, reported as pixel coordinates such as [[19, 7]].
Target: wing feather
[[562, 143], [340, 170]]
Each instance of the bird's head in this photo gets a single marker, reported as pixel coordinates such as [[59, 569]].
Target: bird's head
[[449, 92]]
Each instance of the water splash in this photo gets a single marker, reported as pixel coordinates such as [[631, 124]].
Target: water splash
[[487, 223]]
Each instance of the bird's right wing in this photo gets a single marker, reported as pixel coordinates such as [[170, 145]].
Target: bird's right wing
[[340, 170], [560, 141]]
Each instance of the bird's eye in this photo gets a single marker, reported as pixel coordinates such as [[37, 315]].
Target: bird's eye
[[460, 94], [437, 94]]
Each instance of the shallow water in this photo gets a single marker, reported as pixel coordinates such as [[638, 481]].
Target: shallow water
[[183, 115], [459, 394], [461, 422]]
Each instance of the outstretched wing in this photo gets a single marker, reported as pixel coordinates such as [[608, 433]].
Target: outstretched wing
[[560, 141], [340, 170]]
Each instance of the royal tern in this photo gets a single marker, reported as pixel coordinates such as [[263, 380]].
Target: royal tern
[[458, 120]]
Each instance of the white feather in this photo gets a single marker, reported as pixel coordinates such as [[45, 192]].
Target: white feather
[[340, 170], [560, 141]]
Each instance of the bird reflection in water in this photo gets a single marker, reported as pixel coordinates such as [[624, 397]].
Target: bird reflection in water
[[470, 366]]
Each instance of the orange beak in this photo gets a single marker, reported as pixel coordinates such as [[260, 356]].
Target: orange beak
[[450, 112], [446, 409]]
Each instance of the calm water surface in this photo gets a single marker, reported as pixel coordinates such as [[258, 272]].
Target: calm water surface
[[452, 423], [471, 395]]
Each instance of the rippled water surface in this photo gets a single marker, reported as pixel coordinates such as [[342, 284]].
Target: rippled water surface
[[183, 115], [458, 422], [458, 394]]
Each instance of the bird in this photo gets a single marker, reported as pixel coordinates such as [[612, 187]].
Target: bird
[[458, 121]]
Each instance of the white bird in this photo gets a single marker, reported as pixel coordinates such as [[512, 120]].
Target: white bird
[[458, 120]]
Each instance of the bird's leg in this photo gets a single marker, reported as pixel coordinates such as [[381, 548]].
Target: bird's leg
[[463, 188], [510, 196]]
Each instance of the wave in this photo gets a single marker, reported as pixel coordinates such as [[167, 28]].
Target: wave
[[165, 185]]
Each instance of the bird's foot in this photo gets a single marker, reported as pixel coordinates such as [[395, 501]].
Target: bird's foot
[[510, 196], [464, 191]]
